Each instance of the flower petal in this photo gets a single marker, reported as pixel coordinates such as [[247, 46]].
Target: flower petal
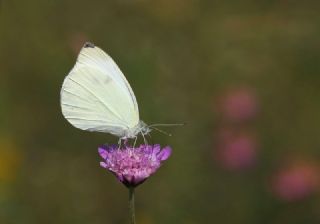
[[103, 164], [156, 148], [103, 153], [164, 154]]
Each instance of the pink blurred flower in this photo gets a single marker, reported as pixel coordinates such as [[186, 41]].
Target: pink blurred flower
[[76, 41], [295, 181], [237, 151], [238, 104]]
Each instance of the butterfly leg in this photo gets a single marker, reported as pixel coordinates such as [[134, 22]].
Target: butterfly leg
[[135, 141], [150, 138], [144, 139], [119, 143]]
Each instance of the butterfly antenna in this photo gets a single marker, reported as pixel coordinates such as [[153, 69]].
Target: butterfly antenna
[[168, 125], [161, 131]]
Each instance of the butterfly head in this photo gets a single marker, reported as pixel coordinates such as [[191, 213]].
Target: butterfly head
[[140, 128]]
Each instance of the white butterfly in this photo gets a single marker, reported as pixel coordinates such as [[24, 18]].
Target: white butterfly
[[96, 96]]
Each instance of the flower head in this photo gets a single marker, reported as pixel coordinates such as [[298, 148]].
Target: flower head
[[295, 181], [237, 151], [132, 166], [240, 104]]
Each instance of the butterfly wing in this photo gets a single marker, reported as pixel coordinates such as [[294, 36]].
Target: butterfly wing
[[96, 96]]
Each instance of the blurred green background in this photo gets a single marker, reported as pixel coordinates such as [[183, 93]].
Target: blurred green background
[[243, 75]]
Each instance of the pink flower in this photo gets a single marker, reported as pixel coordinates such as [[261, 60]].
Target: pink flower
[[237, 151], [238, 105], [76, 41], [132, 166], [295, 181]]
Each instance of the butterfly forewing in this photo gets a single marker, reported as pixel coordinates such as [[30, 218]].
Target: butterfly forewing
[[96, 96]]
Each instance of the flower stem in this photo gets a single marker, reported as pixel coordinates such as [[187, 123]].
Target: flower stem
[[131, 205]]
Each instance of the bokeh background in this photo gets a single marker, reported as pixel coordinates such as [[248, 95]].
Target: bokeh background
[[243, 75]]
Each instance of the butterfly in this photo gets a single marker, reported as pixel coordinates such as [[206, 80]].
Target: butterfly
[[96, 96]]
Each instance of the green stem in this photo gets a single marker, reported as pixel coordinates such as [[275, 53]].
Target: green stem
[[131, 205]]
